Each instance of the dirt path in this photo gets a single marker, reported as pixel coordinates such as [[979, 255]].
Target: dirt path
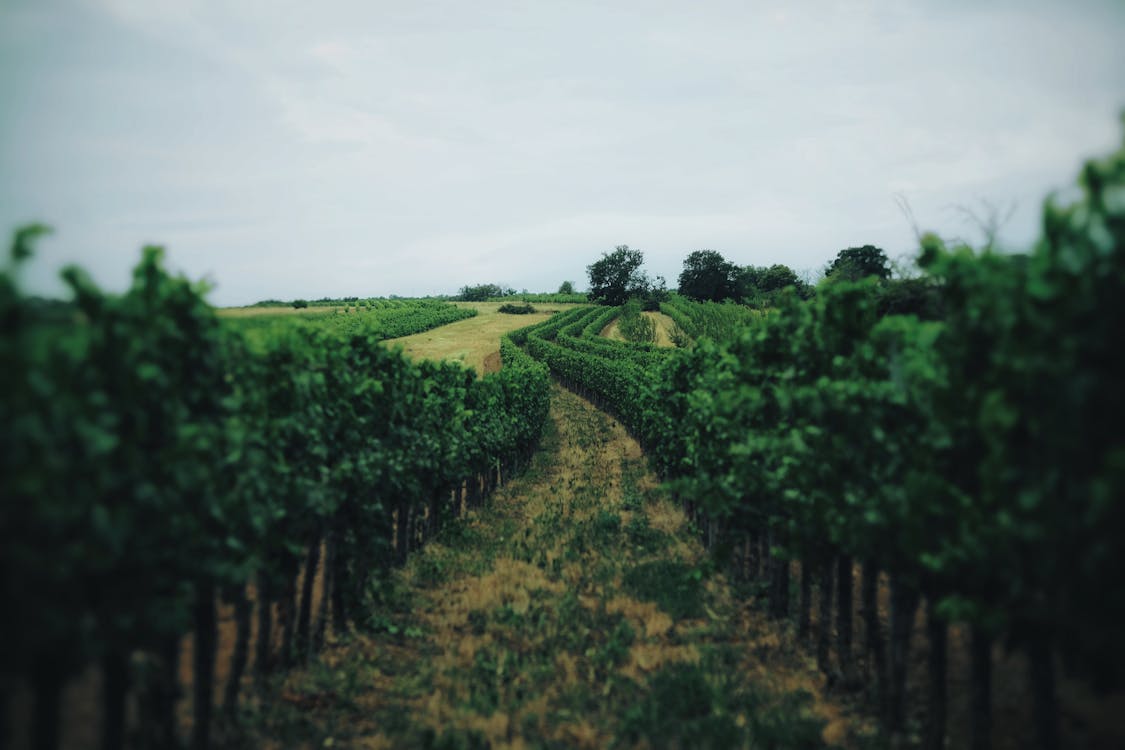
[[575, 611]]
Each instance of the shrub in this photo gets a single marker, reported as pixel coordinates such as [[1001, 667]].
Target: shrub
[[634, 326], [513, 309]]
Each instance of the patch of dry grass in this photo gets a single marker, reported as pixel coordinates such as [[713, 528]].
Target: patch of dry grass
[[474, 341], [257, 312], [663, 327], [530, 637]]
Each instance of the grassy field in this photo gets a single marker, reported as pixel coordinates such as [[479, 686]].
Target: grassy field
[[577, 610], [475, 341], [257, 312]]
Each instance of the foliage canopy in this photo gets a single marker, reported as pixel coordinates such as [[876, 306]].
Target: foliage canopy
[[855, 263], [708, 276], [617, 276]]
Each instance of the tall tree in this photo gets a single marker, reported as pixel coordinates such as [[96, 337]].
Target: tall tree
[[708, 276], [759, 284], [855, 263], [618, 276]]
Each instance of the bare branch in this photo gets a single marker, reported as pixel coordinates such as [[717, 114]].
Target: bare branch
[[908, 213], [988, 219]]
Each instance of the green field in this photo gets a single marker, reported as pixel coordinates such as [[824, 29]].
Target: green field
[[474, 342]]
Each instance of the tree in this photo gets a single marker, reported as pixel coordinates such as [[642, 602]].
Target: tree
[[618, 276], [920, 297], [777, 277], [759, 285], [655, 294], [855, 263], [708, 276], [483, 292], [566, 287]]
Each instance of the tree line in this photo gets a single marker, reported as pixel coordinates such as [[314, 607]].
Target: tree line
[[707, 276]]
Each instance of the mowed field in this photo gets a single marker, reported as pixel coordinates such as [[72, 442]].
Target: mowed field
[[474, 341]]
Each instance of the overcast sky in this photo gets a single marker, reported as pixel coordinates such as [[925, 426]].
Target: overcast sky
[[306, 149]]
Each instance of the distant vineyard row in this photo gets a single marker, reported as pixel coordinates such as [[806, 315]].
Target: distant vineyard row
[[391, 319], [154, 457], [487, 293], [978, 460]]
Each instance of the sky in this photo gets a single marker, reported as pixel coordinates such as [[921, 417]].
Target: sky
[[288, 150]]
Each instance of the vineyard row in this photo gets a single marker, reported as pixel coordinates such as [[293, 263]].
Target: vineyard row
[[156, 459], [978, 460]]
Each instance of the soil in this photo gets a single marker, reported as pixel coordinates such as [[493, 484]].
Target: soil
[[81, 704], [1088, 721]]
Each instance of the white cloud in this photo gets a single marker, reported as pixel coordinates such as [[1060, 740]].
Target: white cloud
[[309, 149]]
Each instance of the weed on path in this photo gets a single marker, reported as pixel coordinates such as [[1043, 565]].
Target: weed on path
[[575, 611]]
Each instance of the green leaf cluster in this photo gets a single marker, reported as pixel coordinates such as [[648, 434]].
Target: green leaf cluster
[[152, 451]]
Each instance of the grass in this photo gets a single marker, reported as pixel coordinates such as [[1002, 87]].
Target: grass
[[664, 326], [256, 312], [670, 584], [475, 341], [576, 610]]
